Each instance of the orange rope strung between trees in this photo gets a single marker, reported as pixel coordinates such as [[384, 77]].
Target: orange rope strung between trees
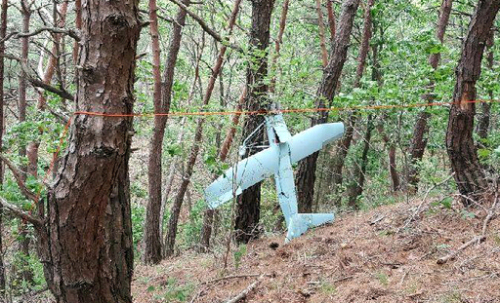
[[220, 113], [278, 111]]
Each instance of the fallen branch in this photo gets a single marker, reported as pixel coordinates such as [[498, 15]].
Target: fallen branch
[[242, 295], [19, 179], [231, 277], [417, 211], [476, 239], [16, 211], [453, 254]]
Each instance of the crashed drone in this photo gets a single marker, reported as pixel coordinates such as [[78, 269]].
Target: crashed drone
[[277, 160]]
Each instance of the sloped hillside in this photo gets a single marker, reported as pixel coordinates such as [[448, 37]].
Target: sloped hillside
[[375, 256]]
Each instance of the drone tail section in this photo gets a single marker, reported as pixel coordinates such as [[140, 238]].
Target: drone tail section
[[300, 223]]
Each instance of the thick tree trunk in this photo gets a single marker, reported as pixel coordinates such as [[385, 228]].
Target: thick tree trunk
[[248, 203], [3, 33], [86, 243], [421, 129], [462, 152], [176, 208], [152, 239], [306, 173], [345, 144]]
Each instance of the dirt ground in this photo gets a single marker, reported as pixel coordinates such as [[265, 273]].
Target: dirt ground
[[376, 256]]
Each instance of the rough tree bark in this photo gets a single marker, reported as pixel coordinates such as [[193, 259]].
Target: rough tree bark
[[86, 242], [462, 152], [176, 207], [419, 140], [248, 203], [306, 173], [345, 144], [3, 33], [152, 239]]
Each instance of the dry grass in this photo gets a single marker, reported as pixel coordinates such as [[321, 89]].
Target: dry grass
[[362, 257]]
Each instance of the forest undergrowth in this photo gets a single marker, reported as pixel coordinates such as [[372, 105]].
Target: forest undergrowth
[[386, 254]]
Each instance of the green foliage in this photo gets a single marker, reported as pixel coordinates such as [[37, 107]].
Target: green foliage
[[176, 293], [138, 217], [239, 254]]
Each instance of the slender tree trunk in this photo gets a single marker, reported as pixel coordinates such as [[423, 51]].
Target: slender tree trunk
[[32, 150], [345, 144], [462, 152], [152, 251], [356, 186], [331, 20], [24, 244], [152, 240], [3, 33], [421, 130], [86, 243], [393, 171], [176, 208], [321, 25], [248, 203], [484, 120], [277, 45], [78, 25], [209, 214], [306, 173]]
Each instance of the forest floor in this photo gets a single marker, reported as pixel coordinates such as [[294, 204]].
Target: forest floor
[[381, 255]]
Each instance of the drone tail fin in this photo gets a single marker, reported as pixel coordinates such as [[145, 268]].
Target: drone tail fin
[[300, 223]]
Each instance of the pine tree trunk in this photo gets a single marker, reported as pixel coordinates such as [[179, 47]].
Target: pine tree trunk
[[3, 33], [248, 203], [25, 238], [344, 145], [306, 172], [86, 244], [356, 186], [421, 129], [462, 152], [209, 215], [152, 239], [176, 208]]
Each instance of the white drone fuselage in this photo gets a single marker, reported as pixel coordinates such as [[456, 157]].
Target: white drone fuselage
[[277, 160]]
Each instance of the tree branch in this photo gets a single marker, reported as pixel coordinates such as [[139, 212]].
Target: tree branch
[[54, 30], [206, 28], [19, 180], [16, 211], [61, 92]]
